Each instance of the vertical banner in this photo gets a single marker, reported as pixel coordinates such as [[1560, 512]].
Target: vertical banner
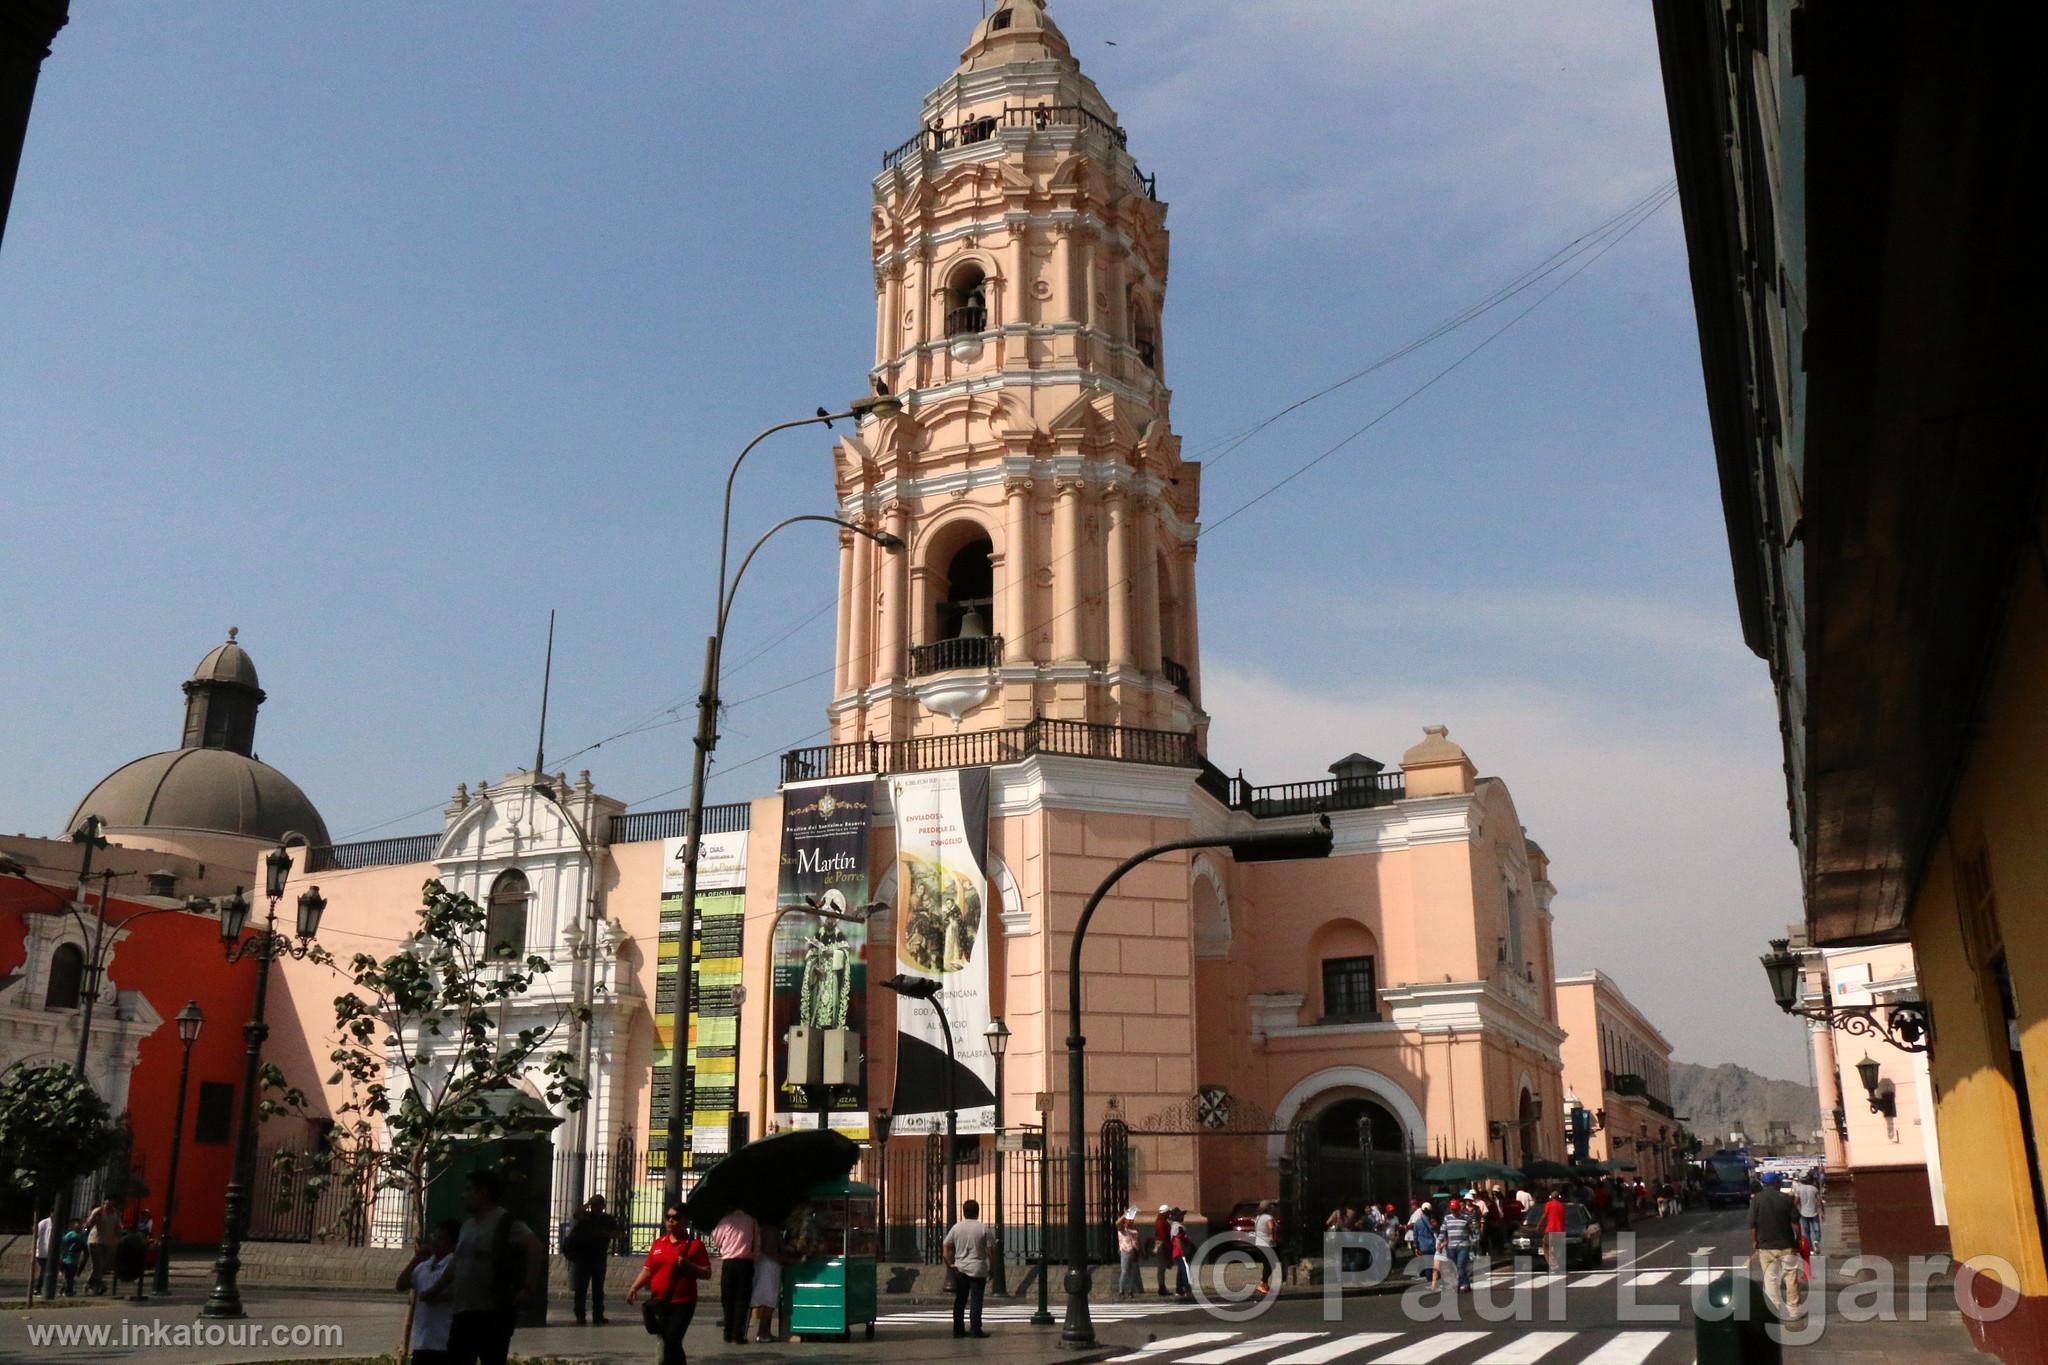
[[819, 986], [942, 932], [714, 1032]]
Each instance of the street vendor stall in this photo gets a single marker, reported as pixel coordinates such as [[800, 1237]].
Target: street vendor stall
[[830, 1284]]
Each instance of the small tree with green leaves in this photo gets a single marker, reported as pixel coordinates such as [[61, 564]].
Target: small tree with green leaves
[[53, 1129], [421, 1054]]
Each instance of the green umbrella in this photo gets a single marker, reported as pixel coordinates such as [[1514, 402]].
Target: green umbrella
[[1544, 1169], [1456, 1172]]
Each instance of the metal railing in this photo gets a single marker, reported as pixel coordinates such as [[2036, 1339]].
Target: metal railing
[[1073, 738], [969, 319], [1035, 118], [1302, 798], [966, 651], [643, 825], [406, 848]]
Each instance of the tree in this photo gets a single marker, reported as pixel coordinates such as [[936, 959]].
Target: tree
[[421, 1055], [53, 1129]]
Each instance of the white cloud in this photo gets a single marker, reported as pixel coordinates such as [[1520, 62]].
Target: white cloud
[[1666, 831]]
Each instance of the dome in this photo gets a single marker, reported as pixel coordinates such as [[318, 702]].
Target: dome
[[227, 663], [1017, 31], [212, 790]]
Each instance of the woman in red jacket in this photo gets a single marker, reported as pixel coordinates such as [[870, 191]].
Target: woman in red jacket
[[675, 1263]]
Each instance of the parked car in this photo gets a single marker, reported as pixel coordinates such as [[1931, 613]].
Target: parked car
[[1245, 1210], [1584, 1240]]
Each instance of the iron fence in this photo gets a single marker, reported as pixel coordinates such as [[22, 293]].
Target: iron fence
[[641, 826]]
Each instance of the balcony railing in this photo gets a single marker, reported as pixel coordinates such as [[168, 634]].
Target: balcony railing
[[640, 826], [1033, 117], [1177, 673], [970, 319], [1073, 738], [967, 651], [1302, 798], [397, 852]]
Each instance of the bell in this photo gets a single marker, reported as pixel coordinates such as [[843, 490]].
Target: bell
[[972, 627]]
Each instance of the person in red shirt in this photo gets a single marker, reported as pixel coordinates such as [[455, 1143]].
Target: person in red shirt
[[675, 1263], [1553, 1231]]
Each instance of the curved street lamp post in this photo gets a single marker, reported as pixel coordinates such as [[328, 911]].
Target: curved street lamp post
[[190, 1019], [682, 1080], [1276, 846]]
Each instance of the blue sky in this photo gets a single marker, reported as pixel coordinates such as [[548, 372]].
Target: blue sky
[[378, 331]]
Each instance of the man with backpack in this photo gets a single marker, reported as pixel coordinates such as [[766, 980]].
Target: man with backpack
[[587, 1246], [500, 1266]]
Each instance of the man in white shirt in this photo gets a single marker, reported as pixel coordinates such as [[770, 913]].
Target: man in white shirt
[[1806, 1194], [969, 1247], [46, 1244]]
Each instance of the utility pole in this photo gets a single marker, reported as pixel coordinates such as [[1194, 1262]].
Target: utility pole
[[88, 835]]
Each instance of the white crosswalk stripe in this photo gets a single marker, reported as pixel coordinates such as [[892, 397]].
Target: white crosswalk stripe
[[1153, 1350], [1324, 1352], [1626, 1348], [1430, 1347], [1099, 1312], [1223, 1354], [1598, 1277], [1650, 1277], [1527, 1348], [1702, 1277]]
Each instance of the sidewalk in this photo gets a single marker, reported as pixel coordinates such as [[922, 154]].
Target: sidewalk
[[1941, 1337]]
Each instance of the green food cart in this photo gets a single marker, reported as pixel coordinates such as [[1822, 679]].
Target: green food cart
[[830, 1285]]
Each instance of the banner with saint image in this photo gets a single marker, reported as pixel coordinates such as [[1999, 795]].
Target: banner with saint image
[[819, 983], [943, 933]]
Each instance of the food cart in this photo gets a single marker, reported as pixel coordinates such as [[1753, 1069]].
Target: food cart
[[830, 1284]]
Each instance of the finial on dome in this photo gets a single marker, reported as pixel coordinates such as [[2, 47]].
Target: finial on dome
[[233, 631]]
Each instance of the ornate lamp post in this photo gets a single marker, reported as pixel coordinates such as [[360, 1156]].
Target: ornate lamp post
[[1274, 846], [1907, 1025], [881, 1121], [189, 1020], [266, 946], [926, 988], [997, 1036]]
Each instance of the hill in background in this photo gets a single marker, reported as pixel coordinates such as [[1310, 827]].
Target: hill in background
[[1718, 1100]]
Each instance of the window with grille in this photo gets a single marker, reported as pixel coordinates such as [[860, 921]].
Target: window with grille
[[67, 978], [505, 921], [1350, 989]]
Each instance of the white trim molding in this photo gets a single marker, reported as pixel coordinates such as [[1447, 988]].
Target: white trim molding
[[1382, 1088]]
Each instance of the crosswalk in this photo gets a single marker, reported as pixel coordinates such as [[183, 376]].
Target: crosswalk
[[1607, 1347], [1114, 1310], [1593, 1279]]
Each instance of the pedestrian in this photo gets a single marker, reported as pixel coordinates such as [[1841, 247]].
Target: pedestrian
[[1806, 1194], [1181, 1247], [1774, 1235], [426, 1277], [500, 1266], [1265, 1234], [1162, 1245], [102, 1235], [1129, 1279], [736, 1238], [71, 1257], [1553, 1231], [767, 1296], [131, 1260], [1457, 1239], [587, 1246], [1421, 1237], [969, 1247], [46, 1246], [674, 1264]]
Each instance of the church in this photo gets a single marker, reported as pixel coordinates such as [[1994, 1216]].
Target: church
[[1017, 707]]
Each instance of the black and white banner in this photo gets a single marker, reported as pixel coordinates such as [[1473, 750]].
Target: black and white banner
[[943, 932]]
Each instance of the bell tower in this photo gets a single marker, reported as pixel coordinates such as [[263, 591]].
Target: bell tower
[[1020, 264]]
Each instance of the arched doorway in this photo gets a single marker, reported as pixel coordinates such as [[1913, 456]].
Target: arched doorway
[[1527, 1112], [1361, 1154]]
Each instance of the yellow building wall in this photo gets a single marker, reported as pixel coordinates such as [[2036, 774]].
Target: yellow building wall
[[1999, 814]]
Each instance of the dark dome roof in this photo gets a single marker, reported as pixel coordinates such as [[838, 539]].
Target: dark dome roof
[[227, 663], [212, 790]]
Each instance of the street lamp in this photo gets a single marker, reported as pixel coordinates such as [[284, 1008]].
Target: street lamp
[[189, 1020], [926, 988], [1906, 1024], [880, 1124], [682, 1079], [997, 1036], [266, 946], [1277, 846]]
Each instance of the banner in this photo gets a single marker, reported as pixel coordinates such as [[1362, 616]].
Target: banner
[[942, 932], [819, 986], [714, 1034]]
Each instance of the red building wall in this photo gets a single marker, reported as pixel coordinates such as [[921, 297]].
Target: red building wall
[[169, 959]]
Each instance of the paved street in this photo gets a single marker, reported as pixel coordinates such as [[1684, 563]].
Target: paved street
[[1633, 1312]]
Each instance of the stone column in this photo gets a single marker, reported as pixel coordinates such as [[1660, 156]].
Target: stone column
[[893, 662], [1191, 640], [861, 609], [1016, 616], [1145, 584], [1067, 571], [844, 645], [1119, 576]]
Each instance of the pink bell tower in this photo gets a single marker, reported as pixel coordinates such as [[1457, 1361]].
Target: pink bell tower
[[1020, 262]]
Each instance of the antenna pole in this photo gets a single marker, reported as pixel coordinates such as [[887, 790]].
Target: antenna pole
[[546, 678]]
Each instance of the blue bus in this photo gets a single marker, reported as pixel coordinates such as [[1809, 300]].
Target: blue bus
[[1727, 1177]]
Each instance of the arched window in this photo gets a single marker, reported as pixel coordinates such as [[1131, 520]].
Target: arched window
[[970, 591], [67, 977], [1514, 936], [1144, 329], [1000, 21], [1345, 958], [505, 922], [967, 302]]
